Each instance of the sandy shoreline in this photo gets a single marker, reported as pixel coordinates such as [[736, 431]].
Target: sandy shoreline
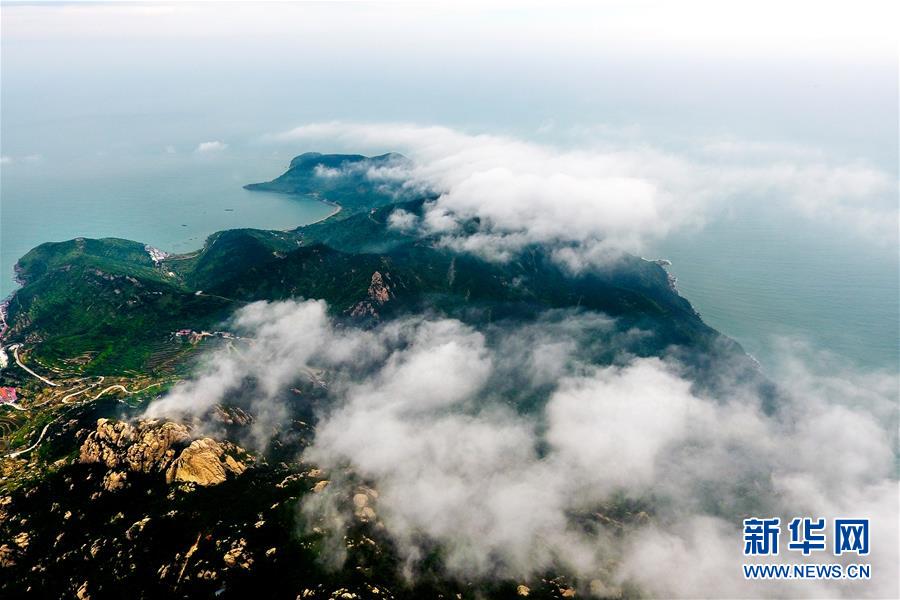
[[337, 208]]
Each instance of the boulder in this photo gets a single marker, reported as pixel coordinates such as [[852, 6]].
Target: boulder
[[153, 446], [149, 446], [205, 463]]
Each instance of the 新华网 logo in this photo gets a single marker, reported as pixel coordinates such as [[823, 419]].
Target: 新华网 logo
[[806, 536]]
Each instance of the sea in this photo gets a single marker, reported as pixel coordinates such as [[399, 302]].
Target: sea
[[773, 281], [170, 201], [144, 122], [757, 277]]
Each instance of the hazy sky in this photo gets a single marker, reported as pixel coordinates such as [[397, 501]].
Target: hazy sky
[[822, 74]]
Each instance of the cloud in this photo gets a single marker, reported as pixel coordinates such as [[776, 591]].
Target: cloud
[[403, 220], [207, 147], [593, 202], [516, 453], [28, 158], [327, 172]]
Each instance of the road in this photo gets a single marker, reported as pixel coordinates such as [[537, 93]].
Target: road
[[34, 445], [15, 350]]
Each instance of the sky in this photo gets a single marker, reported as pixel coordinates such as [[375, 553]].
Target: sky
[[821, 74]]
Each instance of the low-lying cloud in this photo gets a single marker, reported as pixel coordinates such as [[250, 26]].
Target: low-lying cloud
[[594, 202], [513, 451]]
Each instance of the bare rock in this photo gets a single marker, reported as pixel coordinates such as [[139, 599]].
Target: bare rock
[[362, 504], [379, 292], [205, 462], [156, 446], [22, 540], [238, 556], [153, 446], [114, 480], [146, 447], [82, 592], [7, 556], [136, 528]]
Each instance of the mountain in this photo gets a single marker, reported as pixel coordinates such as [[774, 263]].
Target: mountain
[[349, 180], [162, 508]]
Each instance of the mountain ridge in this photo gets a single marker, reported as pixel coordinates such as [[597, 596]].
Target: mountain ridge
[[112, 325]]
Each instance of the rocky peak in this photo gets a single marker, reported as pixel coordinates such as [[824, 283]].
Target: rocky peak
[[379, 291], [152, 446], [378, 294], [204, 462], [146, 447]]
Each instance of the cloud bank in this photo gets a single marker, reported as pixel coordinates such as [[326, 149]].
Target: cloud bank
[[594, 202], [208, 147], [513, 452]]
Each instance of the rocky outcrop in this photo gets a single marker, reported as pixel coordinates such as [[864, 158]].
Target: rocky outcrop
[[378, 291], [7, 556], [114, 480], [378, 294], [238, 555], [153, 446], [147, 447], [22, 540], [363, 501], [204, 462]]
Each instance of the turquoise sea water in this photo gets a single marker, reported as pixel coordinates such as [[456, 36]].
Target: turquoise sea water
[[171, 202], [762, 278], [755, 275]]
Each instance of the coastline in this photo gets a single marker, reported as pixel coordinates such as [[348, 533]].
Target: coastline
[[5, 302], [337, 208]]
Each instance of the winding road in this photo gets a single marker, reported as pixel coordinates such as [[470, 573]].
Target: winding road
[[15, 350], [34, 445]]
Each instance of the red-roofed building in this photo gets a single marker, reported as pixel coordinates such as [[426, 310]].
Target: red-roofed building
[[7, 395]]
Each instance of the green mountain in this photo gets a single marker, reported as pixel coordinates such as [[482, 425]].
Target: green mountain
[[155, 509], [344, 179], [101, 296]]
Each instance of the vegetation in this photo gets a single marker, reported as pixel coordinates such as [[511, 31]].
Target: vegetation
[[100, 317]]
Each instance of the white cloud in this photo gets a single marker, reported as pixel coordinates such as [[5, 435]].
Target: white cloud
[[422, 410], [593, 202], [28, 158], [326, 172], [403, 220], [206, 147]]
